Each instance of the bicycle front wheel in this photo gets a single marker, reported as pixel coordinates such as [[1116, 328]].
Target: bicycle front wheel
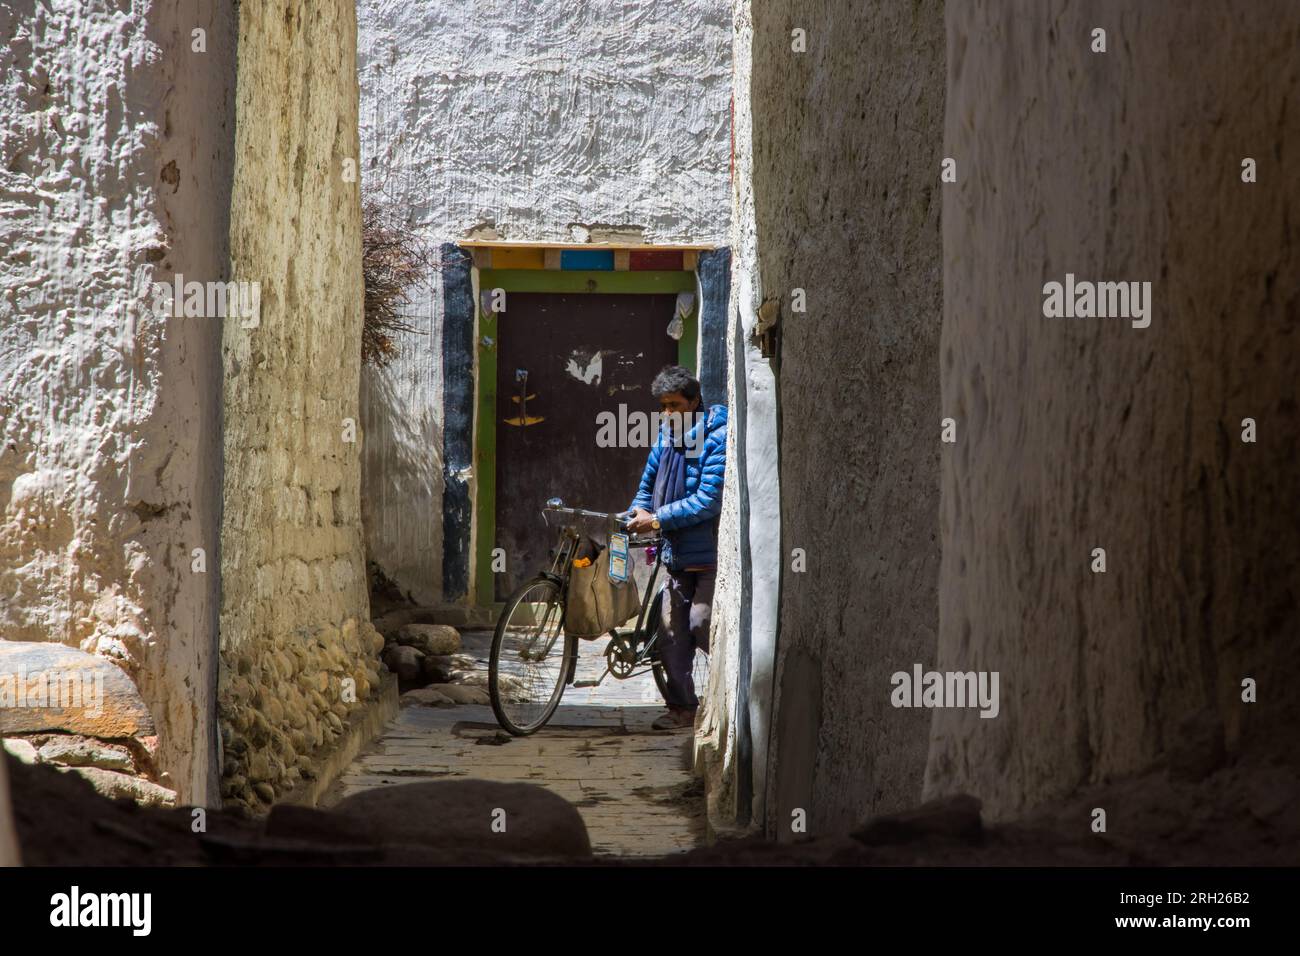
[[531, 658]]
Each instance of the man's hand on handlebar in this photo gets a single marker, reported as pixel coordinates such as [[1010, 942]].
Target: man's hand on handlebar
[[641, 522]]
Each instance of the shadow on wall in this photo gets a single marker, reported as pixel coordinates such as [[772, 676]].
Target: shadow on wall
[[1116, 543], [402, 480], [8, 839]]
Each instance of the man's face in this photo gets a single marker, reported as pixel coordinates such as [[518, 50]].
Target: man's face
[[676, 402], [673, 409]]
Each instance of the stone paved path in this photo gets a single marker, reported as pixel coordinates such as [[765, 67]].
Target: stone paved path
[[631, 784]]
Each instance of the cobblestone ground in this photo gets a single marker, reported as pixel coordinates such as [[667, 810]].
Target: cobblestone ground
[[631, 784]]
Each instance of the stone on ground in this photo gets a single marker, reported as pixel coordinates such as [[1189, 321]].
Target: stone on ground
[[106, 701], [520, 819], [428, 696], [80, 752], [289, 822], [20, 749], [432, 639], [111, 784], [436, 669], [461, 694], [403, 661]]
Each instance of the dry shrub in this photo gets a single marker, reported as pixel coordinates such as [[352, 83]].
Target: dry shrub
[[394, 259]]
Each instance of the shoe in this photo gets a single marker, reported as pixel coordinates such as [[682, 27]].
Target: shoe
[[675, 719]]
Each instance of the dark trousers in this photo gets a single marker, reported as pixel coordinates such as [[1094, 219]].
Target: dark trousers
[[684, 626]]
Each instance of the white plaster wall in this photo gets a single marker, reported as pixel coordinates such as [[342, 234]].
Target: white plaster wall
[[109, 435], [529, 122], [402, 459], [749, 553], [536, 116]]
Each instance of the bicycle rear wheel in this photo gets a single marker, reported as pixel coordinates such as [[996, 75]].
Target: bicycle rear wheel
[[531, 658], [700, 666], [699, 674]]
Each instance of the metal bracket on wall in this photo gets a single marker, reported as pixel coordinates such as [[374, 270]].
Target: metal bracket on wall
[[523, 419], [766, 332]]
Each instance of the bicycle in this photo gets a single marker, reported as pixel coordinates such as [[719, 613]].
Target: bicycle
[[533, 660]]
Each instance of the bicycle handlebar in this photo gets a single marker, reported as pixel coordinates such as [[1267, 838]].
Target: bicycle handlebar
[[582, 512], [556, 506]]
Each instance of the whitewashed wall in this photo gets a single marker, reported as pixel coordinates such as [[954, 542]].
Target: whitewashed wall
[[528, 122], [115, 147]]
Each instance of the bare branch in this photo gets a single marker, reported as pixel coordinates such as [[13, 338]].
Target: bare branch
[[394, 259]]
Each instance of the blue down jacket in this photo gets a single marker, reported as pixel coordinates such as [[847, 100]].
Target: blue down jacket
[[690, 524]]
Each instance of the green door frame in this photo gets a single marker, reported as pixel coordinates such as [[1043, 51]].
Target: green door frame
[[485, 439]]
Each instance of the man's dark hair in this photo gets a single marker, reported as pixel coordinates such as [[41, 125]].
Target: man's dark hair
[[674, 378]]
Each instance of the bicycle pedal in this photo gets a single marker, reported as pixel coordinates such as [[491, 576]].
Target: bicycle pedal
[[586, 683]]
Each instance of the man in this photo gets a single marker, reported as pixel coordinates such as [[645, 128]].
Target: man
[[681, 495]]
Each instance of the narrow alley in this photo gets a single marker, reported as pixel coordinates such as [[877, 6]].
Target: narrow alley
[[896, 397]]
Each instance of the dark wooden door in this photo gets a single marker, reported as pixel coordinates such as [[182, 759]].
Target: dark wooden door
[[583, 353]]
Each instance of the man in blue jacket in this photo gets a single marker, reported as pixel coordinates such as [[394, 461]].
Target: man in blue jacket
[[681, 495]]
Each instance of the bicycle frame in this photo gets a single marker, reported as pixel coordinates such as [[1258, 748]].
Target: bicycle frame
[[643, 617], [561, 567], [562, 564], [641, 650]]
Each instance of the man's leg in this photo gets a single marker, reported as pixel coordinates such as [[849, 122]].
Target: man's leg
[[676, 641]]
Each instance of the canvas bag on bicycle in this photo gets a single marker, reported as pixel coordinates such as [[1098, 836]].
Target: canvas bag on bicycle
[[595, 602]]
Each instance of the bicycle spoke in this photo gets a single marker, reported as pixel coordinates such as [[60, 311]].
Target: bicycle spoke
[[531, 661]]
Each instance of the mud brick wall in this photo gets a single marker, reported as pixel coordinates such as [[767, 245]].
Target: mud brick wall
[[294, 619]]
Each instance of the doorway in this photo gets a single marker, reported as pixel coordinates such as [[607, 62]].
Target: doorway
[[568, 345], [563, 359]]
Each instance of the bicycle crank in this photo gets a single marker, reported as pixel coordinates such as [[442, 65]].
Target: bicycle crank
[[622, 657], [620, 660]]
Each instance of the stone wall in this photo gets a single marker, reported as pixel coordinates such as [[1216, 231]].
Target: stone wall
[[846, 140], [551, 122], [1085, 433], [294, 619], [115, 159]]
